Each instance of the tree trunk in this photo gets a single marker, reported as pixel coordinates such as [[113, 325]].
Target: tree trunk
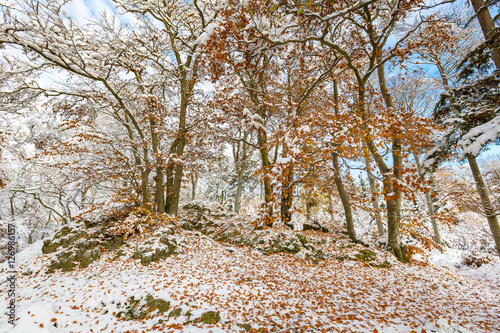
[[394, 202], [393, 221], [430, 208], [194, 183], [343, 197], [266, 169], [12, 211], [144, 170], [252, 88], [338, 179], [222, 197], [159, 194], [487, 25], [287, 196], [179, 149], [308, 205], [373, 191], [145, 185], [169, 184], [393, 197], [239, 190], [485, 200], [240, 165], [176, 187], [330, 206]]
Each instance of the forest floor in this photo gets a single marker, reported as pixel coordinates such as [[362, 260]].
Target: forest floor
[[253, 292]]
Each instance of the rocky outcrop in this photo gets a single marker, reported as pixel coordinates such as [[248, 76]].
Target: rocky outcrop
[[203, 216], [221, 225], [314, 225], [210, 317], [159, 247], [143, 308], [79, 245]]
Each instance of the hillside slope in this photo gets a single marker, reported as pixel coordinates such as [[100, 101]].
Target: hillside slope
[[216, 286]]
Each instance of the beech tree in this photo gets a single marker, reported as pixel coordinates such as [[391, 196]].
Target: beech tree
[[278, 87], [365, 52], [143, 79], [412, 93], [185, 27]]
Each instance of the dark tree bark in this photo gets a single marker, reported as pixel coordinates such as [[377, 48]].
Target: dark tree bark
[[487, 25], [240, 165], [485, 200], [343, 197], [287, 196], [392, 191], [266, 169]]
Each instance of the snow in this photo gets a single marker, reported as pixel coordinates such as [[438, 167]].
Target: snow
[[449, 258], [23, 133], [453, 260], [277, 291], [29, 150], [473, 142], [305, 129], [383, 239], [284, 160], [209, 30]]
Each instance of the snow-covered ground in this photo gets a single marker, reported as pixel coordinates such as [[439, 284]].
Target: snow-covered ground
[[280, 293], [487, 273]]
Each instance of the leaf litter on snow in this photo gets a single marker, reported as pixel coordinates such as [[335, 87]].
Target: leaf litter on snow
[[211, 286]]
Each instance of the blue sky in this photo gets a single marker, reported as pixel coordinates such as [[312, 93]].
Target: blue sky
[[81, 10]]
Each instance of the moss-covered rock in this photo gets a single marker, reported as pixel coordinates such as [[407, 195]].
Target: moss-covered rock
[[246, 327], [81, 244], [129, 312], [175, 313], [159, 247], [203, 216], [114, 243], [249, 239], [288, 242], [314, 225], [119, 254], [65, 237], [147, 255], [157, 304], [227, 233], [87, 257], [365, 255], [65, 261], [383, 264], [143, 308], [210, 317], [50, 246], [279, 243], [221, 225], [302, 239]]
